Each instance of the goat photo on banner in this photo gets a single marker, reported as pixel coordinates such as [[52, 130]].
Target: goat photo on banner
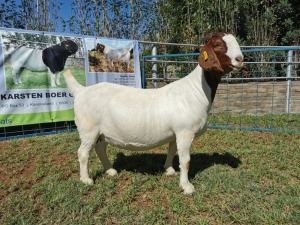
[[31, 88], [34, 61], [113, 61]]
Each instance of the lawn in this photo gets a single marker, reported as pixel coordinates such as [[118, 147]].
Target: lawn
[[240, 177], [39, 80]]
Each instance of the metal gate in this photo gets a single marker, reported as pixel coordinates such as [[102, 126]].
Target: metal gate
[[264, 98]]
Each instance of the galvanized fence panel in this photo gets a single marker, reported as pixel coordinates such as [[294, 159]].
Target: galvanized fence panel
[[267, 98], [264, 98], [36, 130]]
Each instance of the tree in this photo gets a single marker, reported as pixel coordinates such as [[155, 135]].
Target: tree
[[40, 15], [264, 22]]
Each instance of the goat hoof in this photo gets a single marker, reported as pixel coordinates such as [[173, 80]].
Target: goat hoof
[[170, 171], [111, 172], [188, 188], [87, 181]]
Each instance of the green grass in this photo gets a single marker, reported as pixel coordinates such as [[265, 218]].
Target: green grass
[[274, 122], [40, 80], [240, 177]]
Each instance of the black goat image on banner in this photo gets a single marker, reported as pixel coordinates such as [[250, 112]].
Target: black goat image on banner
[[52, 59], [55, 58]]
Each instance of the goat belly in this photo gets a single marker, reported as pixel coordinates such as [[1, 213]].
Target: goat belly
[[135, 135], [118, 55], [137, 146], [34, 62]]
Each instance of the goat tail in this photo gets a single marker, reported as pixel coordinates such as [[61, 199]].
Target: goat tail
[[72, 83]]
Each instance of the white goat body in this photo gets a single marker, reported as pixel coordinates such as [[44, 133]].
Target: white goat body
[[138, 119], [146, 120], [115, 55], [28, 58]]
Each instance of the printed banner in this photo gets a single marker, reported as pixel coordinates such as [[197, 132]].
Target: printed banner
[[114, 61], [32, 87]]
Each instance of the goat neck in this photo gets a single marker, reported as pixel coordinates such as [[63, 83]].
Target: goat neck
[[213, 79]]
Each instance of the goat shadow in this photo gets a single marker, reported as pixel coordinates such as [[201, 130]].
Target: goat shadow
[[152, 164]]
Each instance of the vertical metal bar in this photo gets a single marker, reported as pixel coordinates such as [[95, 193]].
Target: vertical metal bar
[[143, 73], [164, 66], [242, 101], [154, 66], [227, 105], [289, 75]]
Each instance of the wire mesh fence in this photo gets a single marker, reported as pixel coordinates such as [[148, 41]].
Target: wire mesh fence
[[36, 130], [263, 97]]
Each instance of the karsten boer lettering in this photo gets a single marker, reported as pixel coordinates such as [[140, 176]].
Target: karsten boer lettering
[[21, 96], [34, 95]]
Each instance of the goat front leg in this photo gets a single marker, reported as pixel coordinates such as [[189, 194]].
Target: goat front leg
[[57, 77], [184, 141], [128, 65], [101, 152], [112, 64], [52, 77], [16, 76], [169, 161]]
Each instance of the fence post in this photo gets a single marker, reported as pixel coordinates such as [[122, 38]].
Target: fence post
[[289, 80], [144, 82], [154, 66]]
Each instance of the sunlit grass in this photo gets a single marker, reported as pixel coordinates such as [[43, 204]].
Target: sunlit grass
[[259, 122], [240, 177], [40, 80]]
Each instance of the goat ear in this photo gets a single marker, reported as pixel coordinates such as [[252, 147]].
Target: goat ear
[[208, 59]]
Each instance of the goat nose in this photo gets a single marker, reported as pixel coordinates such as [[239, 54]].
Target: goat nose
[[239, 58]]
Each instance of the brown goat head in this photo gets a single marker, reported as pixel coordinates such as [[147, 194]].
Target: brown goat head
[[213, 54], [100, 47]]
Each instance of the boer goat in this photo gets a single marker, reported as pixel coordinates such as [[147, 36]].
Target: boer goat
[[115, 55], [141, 119], [38, 60]]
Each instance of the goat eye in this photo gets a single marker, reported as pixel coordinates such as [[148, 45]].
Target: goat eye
[[218, 47]]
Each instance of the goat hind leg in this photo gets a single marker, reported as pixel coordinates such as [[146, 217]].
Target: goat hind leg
[[52, 78], [101, 152], [83, 156], [169, 161]]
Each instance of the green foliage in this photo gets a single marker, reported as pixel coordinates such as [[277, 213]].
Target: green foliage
[[265, 22], [254, 22]]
